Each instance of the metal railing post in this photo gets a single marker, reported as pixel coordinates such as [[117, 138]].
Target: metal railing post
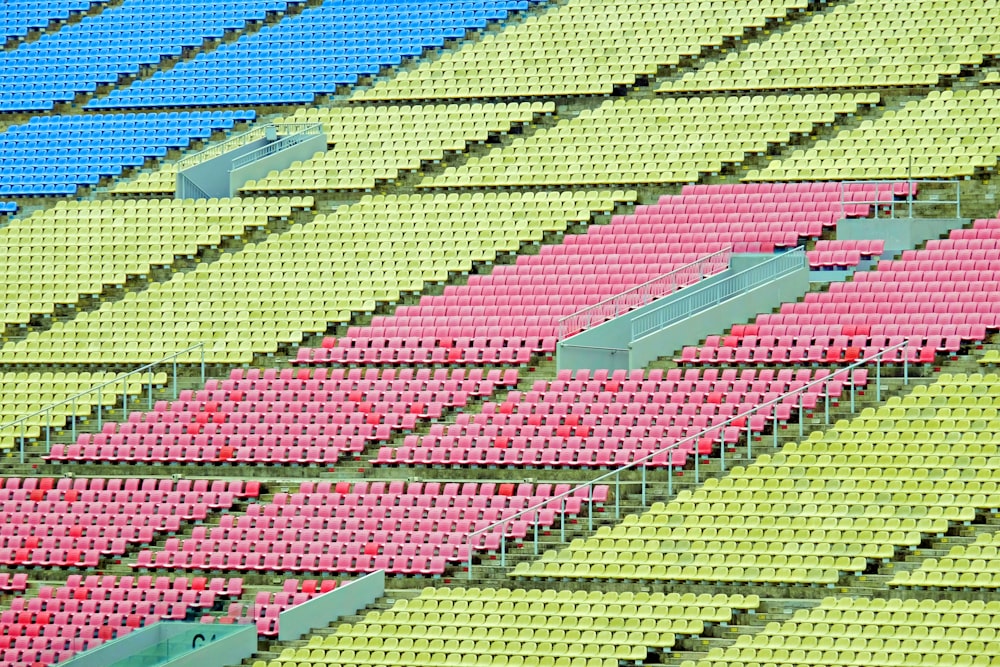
[[878, 380], [536, 532], [826, 405], [670, 475], [22, 442], [503, 548], [48, 431], [562, 519], [618, 494], [469, 568], [749, 438], [906, 363], [176, 394], [100, 408], [643, 489], [852, 389], [697, 473], [149, 401], [202, 350], [124, 399], [72, 419], [802, 415], [590, 513]]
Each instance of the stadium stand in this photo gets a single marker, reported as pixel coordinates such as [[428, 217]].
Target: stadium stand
[[66, 62], [424, 425], [88, 610], [396, 527], [585, 269], [265, 417], [55, 155], [608, 422], [832, 49], [543, 55], [54, 523], [915, 141], [22, 16], [972, 566], [8, 207], [660, 140], [26, 393], [61, 254], [314, 52], [817, 509], [887, 631], [315, 274], [923, 298], [526, 627], [373, 144], [267, 605]]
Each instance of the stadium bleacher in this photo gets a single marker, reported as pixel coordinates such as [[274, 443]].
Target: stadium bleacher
[[55, 155], [375, 388]]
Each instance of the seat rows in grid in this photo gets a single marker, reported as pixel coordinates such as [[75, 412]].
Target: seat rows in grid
[[834, 49], [325, 46], [267, 606], [285, 417], [374, 144], [22, 16], [917, 141], [529, 628], [322, 272], [401, 528], [76, 523], [464, 326], [612, 421], [866, 631], [843, 253], [86, 611], [936, 299], [369, 144], [818, 509], [657, 140], [82, 56], [965, 567], [543, 54], [55, 155], [76, 248], [26, 394]]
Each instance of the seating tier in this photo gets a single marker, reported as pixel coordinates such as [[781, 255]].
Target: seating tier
[[659, 140], [543, 55], [816, 510], [834, 49], [913, 142], [314, 274], [82, 56], [401, 528]]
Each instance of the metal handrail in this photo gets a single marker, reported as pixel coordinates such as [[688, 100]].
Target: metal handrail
[[909, 200], [295, 133], [700, 298], [47, 410], [800, 392], [646, 295], [216, 150]]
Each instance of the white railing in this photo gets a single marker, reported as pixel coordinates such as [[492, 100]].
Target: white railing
[[100, 390], [640, 295], [701, 298], [294, 133], [845, 374], [886, 197]]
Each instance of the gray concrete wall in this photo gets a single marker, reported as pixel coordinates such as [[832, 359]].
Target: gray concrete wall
[[327, 608], [173, 644], [212, 176], [899, 234], [606, 345], [276, 162], [762, 299]]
